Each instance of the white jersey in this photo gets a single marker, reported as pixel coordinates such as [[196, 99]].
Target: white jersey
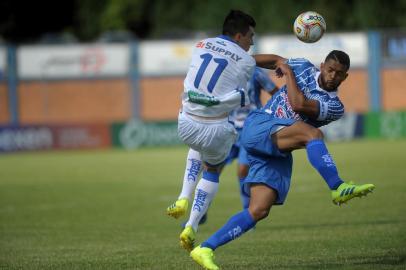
[[216, 82]]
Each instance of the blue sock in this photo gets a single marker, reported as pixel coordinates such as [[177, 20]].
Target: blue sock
[[321, 160], [234, 228], [245, 200]]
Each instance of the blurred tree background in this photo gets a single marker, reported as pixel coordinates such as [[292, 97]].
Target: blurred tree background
[[88, 20]]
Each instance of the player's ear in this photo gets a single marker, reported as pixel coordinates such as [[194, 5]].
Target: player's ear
[[321, 65]]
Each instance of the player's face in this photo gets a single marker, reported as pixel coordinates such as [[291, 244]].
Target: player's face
[[245, 41], [332, 75]]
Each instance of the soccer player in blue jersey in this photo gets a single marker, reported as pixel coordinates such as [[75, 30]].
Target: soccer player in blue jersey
[[288, 121], [259, 82]]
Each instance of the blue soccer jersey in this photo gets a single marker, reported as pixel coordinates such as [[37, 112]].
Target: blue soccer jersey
[[259, 80], [306, 74]]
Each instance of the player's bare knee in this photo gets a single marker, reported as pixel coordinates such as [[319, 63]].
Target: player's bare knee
[[316, 134], [304, 134], [311, 133], [212, 168], [259, 212]]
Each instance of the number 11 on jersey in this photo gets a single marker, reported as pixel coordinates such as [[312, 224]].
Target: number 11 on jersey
[[221, 65]]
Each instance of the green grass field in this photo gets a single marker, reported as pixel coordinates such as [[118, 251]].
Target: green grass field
[[106, 210]]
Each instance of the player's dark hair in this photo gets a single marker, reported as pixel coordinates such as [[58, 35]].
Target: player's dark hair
[[340, 57], [237, 22]]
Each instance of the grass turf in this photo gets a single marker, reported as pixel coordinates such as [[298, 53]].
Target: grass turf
[[106, 210]]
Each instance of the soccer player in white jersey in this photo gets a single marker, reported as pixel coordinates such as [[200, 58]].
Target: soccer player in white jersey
[[215, 84], [289, 121], [259, 82]]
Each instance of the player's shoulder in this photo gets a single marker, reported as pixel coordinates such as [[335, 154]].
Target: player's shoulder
[[303, 67], [251, 61], [225, 42], [333, 97], [299, 62], [336, 105]]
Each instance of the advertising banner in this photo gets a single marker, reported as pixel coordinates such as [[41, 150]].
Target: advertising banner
[[134, 134], [81, 136], [394, 47], [30, 138], [386, 125], [288, 46], [72, 61], [25, 138], [161, 58]]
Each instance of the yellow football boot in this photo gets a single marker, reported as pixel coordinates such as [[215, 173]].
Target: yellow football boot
[[347, 191], [187, 238], [178, 208], [205, 257]]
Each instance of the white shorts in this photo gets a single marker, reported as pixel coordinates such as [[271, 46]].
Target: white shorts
[[211, 138]]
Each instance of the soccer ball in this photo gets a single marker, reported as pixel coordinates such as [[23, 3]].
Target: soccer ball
[[309, 26]]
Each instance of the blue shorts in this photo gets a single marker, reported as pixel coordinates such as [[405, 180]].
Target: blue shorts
[[237, 151], [268, 165]]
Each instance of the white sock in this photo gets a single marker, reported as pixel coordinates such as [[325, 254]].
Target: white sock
[[192, 171], [204, 194]]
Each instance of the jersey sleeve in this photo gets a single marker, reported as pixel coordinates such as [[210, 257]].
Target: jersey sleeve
[[330, 110], [263, 79], [303, 71], [299, 63]]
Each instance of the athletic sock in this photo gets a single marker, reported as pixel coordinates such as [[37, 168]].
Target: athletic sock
[[206, 189], [191, 175], [321, 160], [234, 228]]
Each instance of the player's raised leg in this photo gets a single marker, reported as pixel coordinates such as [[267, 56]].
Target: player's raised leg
[[191, 175], [301, 135]]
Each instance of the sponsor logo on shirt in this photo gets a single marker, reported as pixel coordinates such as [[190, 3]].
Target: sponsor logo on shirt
[[219, 49], [282, 108], [280, 112], [200, 44]]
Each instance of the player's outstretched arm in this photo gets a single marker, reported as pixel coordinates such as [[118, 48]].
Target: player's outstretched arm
[[296, 98], [269, 61]]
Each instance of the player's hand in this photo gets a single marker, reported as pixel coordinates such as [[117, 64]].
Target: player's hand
[[278, 72], [282, 69]]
